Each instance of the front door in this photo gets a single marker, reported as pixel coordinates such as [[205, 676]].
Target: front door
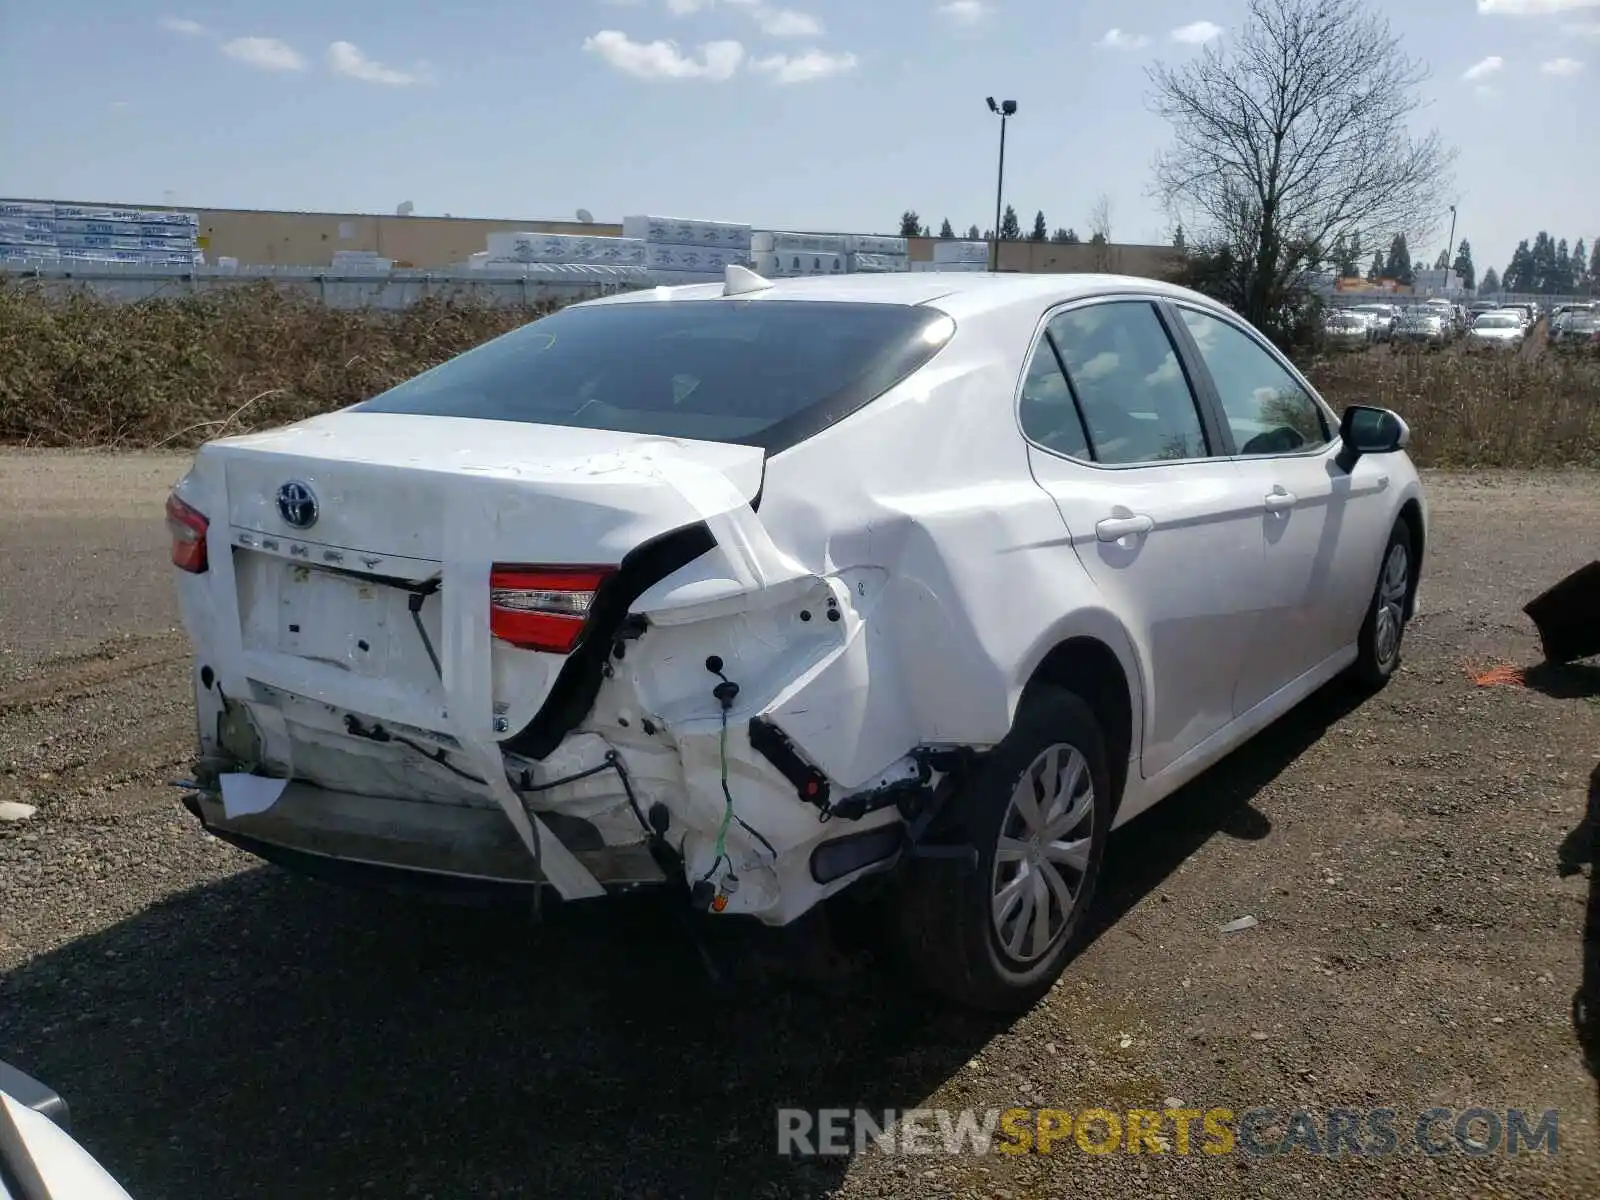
[[1312, 513], [1158, 520]]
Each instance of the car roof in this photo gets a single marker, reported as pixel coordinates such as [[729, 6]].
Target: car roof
[[959, 293]]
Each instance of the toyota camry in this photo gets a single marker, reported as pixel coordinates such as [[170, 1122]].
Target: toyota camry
[[760, 589]]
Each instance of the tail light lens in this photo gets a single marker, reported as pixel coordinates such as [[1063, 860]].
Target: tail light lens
[[187, 525], [542, 608]]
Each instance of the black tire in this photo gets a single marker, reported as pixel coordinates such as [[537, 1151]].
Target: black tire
[[1378, 658], [943, 909]]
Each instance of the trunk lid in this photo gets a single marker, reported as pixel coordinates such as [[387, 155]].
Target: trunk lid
[[350, 552]]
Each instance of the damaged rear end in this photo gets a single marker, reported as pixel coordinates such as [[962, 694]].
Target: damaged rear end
[[518, 621]]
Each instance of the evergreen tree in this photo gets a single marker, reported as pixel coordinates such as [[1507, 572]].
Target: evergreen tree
[[1398, 265], [1580, 268], [910, 223], [945, 231], [973, 235], [1443, 261], [1560, 282], [1178, 241], [1010, 227], [1519, 276], [1463, 266], [1594, 266], [1375, 271], [1041, 231], [1491, 283]]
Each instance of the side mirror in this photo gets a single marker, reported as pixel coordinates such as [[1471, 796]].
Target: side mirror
[[1368, 430]]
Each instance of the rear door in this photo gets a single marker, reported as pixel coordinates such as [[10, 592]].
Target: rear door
[[1318, 523], [1155, 511]]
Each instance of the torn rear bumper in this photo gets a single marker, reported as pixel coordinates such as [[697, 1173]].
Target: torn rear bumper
[[342, 834]]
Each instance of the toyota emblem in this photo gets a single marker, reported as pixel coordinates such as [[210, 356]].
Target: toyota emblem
[[297, 505]]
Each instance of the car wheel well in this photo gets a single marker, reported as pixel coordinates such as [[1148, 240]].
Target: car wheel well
[[1088, 668], [1411, 514]]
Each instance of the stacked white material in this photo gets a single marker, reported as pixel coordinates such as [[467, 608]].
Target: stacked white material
[[130, 236], [678, 231], [862, 262], [363, 262], [776, 265], [875, 254], [873, 243], [27, 232], [679, 250], [948, 251], [563, 248], [778, 242], [630, 274]]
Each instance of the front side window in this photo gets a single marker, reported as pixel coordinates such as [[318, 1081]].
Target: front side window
[[1130, 386], [1266, 408]]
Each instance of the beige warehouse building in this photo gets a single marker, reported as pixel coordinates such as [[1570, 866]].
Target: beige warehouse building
[[297, 239]]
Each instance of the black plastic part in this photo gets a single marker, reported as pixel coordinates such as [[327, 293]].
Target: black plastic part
[[767, 740], [30, 1093], [903, 794], [660, 819], [207, 677], [1568, 616], [841, 856], [701, 895], [726, 693], [581, 675]]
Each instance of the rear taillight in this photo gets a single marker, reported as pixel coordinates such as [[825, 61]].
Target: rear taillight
[[187, 525], [542, 608]]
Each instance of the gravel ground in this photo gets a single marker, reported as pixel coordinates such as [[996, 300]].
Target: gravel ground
[[224, 1029]]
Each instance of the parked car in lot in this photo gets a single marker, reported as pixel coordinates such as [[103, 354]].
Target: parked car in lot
[[1420, 328], [1580, 332], [1347, 331], [1382, 318], [929, 580], [1495, 331]]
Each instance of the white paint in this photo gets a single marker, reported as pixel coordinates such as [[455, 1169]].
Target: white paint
[[245, 795]]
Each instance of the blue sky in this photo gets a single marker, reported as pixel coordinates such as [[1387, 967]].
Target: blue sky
[[812, 114]]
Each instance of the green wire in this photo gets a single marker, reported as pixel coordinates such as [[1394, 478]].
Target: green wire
[[727, 811]]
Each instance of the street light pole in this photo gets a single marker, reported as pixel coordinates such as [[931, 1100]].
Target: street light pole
[[1004, 110], [1449, 251]]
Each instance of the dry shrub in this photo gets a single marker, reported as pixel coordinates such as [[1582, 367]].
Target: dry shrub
[[1533, 408], [76, 370]]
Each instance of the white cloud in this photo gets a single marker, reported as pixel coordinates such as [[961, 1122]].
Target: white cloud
[[682, 8], [1561, 66], [1532, 8], [805, 68], [965, 12], [717, 61], [780, 22], [1117, 40], [267, 53], [345, 58], [1197, 34], [182, 25], [1483, 68]]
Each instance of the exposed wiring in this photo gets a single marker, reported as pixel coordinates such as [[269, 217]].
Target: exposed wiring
[[728, 815]]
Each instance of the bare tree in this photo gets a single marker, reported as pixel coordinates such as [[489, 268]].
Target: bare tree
[[1292, 136], [1100, 232]]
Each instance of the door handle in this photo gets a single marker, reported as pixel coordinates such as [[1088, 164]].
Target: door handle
[[1113, 528], [1279, 500]]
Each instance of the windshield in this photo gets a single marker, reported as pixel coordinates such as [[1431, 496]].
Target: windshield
[[1495, 321], [763, 372]]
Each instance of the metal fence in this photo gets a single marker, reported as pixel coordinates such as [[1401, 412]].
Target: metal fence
[[338, 289]]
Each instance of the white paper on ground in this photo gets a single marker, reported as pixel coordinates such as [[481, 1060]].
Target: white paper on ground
[[244, 795]]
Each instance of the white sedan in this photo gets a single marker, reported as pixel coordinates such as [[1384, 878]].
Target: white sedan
[[761, 589]]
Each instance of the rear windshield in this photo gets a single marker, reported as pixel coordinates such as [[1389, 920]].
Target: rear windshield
[[757, 372], [1496, 322]]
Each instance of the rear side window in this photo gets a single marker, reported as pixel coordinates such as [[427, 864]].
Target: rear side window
[[1131, 389], [769, 373]]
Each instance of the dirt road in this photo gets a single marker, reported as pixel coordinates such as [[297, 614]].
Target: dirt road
[[226, 1030]]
